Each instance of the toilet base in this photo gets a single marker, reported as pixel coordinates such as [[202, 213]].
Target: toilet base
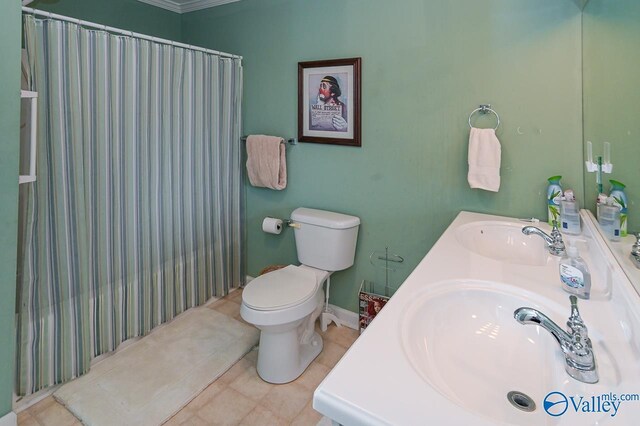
[[286, 365], [327, 317]]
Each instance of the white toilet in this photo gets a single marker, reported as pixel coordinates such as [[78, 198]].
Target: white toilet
[[285, 304]]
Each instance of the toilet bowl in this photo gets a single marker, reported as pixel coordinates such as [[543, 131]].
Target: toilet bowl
[[284, 306]]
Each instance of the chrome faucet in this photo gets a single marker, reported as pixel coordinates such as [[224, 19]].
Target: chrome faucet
[[635, 251], [555, 245], [580, 361]]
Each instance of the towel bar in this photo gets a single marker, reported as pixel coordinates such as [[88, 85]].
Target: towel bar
[[483, 109], [290, 141]]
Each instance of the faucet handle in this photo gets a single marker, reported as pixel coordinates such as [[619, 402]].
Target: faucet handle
[[555, 231], [575, 323], [575, 313], [575, 320], [558, 247], [635, 248]]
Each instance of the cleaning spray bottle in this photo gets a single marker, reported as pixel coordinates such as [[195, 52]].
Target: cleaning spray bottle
[[554, 195], [620, 199]]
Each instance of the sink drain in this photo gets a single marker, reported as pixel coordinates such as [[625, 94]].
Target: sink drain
[[521, 401]]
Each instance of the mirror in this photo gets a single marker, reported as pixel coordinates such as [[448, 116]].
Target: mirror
[[611, 105]]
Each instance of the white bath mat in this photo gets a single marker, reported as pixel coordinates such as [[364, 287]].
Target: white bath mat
[[149, 381]]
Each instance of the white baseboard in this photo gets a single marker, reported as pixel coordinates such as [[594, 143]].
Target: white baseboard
[[9, 419], [348, 318]]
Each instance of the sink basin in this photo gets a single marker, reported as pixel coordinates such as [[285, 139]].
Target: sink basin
[[446, 349], [503, 241], [462, 339]]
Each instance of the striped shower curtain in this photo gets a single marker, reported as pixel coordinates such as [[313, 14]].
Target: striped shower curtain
[[136, 214]]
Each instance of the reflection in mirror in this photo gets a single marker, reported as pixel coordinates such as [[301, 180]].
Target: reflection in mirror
[[621, 250], [611, 102]]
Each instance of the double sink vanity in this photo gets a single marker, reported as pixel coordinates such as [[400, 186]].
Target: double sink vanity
[[446, 349]]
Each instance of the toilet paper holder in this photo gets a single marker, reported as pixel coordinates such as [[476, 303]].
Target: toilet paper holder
[[274, 225], [291, 224]]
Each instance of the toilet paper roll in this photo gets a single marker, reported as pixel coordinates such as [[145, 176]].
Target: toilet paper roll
[[272, 225]]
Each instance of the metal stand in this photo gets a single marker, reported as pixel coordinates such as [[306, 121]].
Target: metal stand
[[370, 299]]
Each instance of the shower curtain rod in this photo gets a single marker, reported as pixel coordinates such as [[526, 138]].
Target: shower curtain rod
[[126, 33]]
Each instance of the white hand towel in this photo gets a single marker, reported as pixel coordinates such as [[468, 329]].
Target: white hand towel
[[266, 161], [484, 159]]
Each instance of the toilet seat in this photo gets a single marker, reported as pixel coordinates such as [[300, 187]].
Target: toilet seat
[[280, 289]]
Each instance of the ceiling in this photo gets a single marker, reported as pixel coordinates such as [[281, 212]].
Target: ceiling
[[184, 6]]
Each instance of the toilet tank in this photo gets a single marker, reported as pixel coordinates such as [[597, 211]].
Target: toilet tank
[[325, 240]]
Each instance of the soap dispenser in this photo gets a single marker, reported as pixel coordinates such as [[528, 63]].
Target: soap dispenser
[[610, 219], [574, 274], [569, 214]]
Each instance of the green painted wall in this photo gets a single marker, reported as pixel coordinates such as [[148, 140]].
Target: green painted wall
[[612, 94], [9, 154], [125, 14], [426, 65]]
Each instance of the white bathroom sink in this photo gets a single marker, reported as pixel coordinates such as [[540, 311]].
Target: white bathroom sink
[[503, 241], [446, 348], [462, 339]]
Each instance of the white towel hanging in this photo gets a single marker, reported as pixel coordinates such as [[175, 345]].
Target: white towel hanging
[[484, 159]]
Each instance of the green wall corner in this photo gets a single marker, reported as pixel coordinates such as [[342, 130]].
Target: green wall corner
[[425, 66], [9, 155]]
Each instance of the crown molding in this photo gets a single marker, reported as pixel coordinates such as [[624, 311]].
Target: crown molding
[[194, 5], [186, 6], [165, 4]]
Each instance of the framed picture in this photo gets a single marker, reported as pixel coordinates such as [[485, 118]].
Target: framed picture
[[329, 100]]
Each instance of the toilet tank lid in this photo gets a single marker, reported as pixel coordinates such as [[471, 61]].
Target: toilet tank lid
[[324, 218]]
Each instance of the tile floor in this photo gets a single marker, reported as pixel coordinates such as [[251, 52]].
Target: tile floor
[[238, 397]]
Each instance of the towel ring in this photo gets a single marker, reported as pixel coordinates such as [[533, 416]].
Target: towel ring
[[483, 109]]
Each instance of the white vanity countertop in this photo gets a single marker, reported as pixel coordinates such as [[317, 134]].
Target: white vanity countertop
[[375, 384], [622, 250]]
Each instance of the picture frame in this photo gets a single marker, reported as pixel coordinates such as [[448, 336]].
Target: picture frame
[[329, 101]]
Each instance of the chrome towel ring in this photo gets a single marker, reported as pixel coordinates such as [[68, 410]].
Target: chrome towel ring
[[483, 109]]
